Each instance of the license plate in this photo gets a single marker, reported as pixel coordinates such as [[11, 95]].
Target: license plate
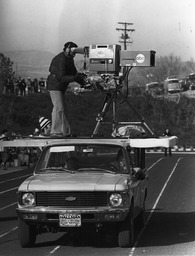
[[69, 220]]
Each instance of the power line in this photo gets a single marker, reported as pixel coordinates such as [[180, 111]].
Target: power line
[[124, 36]]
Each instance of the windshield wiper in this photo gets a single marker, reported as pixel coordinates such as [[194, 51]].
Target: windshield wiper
[[109, 171], [55, 169], [94, 169]]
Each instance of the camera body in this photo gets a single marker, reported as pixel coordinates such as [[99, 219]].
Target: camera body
[[109, 58], [137, 58], [104, 58], [107, 65]]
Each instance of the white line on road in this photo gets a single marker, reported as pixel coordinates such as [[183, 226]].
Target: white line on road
[[7, 233], [8, 190], [5, 207], [14, 179], [155, 163], [155, 204], [55, 249]]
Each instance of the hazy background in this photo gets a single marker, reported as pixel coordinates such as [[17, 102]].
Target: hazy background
[[166, 26]]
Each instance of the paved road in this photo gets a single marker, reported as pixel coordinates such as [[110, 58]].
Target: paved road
[[169, 230]]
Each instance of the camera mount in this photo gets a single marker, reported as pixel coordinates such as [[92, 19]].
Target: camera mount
[[111, 100], [107, 71]]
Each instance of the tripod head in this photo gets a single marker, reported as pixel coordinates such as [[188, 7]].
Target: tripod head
[[103, 82]]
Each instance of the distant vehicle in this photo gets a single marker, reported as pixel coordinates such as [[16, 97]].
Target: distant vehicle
[[184, 84], [191, 81], [172, 85], [154, 88]]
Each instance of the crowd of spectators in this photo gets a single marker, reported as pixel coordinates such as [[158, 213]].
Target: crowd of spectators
[[22, 86], [18, 157]]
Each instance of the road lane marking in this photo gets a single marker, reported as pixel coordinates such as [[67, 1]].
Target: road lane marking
[[14, 179], [154, 163], [8, 232], [55, 249], [8, 190], [155, 204], [59, 246], [5, 207]]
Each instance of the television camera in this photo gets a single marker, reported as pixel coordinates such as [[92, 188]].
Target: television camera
[[107, 69], [106, 66]]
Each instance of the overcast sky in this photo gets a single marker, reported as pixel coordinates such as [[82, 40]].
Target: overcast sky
[[166, 26]]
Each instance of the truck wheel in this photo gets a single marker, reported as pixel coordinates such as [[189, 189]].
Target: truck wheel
[[141, 219], [27, 234], [126, 232], [109, 236]]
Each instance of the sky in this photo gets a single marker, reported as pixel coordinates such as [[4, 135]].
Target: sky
[[167, 26]]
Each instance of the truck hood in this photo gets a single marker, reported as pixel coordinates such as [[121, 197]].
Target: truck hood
[[75, 182]]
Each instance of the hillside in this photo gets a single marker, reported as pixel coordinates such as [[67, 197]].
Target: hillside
[[21, 114], [30, 63]]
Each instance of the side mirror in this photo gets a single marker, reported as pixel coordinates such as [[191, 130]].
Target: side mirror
[[138, 173]]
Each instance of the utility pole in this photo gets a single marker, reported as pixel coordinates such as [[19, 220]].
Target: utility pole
[[125, 37]]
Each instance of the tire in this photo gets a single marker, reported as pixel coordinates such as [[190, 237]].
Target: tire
[[109, 236], [27, 234], [126, 232], [141, 220]]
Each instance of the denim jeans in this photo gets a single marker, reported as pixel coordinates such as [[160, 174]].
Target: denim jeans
[[59, 124]]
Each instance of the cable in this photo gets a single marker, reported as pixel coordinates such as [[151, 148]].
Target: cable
[[127, 84]]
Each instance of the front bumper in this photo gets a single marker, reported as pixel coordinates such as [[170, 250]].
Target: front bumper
[[92, 215]]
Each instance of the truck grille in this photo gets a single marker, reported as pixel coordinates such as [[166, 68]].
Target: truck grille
[[71, 199]]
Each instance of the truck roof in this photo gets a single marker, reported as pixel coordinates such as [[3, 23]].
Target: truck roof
[[132, 142]]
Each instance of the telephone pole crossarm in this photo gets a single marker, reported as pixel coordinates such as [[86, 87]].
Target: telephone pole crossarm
[[125, 36]]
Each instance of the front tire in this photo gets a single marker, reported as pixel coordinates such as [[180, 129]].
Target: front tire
[[27, 234], [141, 218], [126, 232]]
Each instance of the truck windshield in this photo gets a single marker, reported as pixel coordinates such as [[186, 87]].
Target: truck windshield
[[83, 157]]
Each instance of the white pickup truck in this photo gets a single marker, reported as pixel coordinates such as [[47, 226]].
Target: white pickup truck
[[95, 184]]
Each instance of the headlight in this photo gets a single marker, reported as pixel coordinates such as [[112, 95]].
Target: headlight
[[28, 199], [116, 200]]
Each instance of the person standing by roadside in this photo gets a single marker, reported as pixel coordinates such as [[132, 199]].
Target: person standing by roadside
[[167, 133], [20, 86], [41, 85], [5, 154], [35, 85], [62, 71], [29, 85], [23, 88]]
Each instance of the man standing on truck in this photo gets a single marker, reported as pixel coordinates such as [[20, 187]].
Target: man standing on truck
[[62, 72]]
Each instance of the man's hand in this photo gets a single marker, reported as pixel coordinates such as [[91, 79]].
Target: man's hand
[[80, 78]]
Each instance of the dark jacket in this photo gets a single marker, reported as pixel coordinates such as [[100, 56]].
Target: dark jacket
[[167, 133], [62, 71]]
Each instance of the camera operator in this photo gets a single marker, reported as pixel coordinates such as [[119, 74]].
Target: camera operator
[[62, 72]]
